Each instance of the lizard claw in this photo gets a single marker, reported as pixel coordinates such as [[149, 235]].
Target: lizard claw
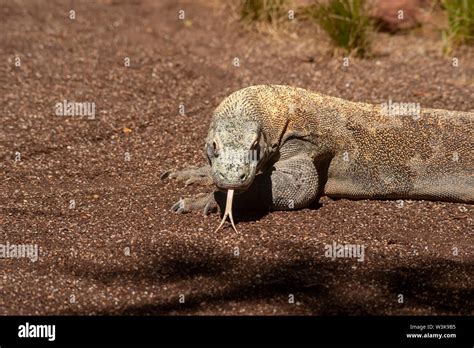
[[209, 207], [189, 181], [189, 176], [165, 174], [201, 202], [178, 207]]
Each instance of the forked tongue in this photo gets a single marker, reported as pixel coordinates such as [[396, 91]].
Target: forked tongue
[[228, 210]]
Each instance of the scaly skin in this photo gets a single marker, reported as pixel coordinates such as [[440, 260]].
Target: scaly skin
[[312, 145]]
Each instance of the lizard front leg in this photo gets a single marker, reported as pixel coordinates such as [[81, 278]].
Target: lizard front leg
[[193, 175], [290, 184], [203, 202], [294, 183]]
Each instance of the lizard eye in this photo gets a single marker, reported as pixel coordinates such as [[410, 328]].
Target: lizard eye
[[255, 151], [213, 151], [254, 145]]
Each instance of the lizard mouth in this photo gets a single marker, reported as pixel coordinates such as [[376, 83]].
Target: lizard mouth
[[236, 188]]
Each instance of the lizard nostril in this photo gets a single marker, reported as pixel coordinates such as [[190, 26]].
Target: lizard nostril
[[221, 175], [243, 176]]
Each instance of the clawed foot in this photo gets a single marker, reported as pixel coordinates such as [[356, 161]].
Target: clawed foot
[[201, 175], [204, 202]]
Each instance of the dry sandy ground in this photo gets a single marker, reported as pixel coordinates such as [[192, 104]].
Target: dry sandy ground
[[120, 250]]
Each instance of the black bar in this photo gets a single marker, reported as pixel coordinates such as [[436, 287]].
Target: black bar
[[241, 330]]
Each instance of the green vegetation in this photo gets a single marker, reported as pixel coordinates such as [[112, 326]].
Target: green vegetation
[[460, 23], [264, 10], [347, 23]]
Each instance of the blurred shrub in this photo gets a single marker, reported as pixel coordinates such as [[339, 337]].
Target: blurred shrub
[[460, 23], [264, 10], [347, 23]]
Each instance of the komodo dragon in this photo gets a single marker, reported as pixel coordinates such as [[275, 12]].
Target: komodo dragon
[[280, 148]]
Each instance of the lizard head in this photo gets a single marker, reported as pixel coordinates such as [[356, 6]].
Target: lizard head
[[235, 149]]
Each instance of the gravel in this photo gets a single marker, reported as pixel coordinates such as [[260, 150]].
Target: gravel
[[87, 191]]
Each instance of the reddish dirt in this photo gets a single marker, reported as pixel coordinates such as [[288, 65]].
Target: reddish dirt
[[84, 266]]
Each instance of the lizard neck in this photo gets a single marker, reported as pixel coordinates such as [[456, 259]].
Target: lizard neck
[[289, 112]]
